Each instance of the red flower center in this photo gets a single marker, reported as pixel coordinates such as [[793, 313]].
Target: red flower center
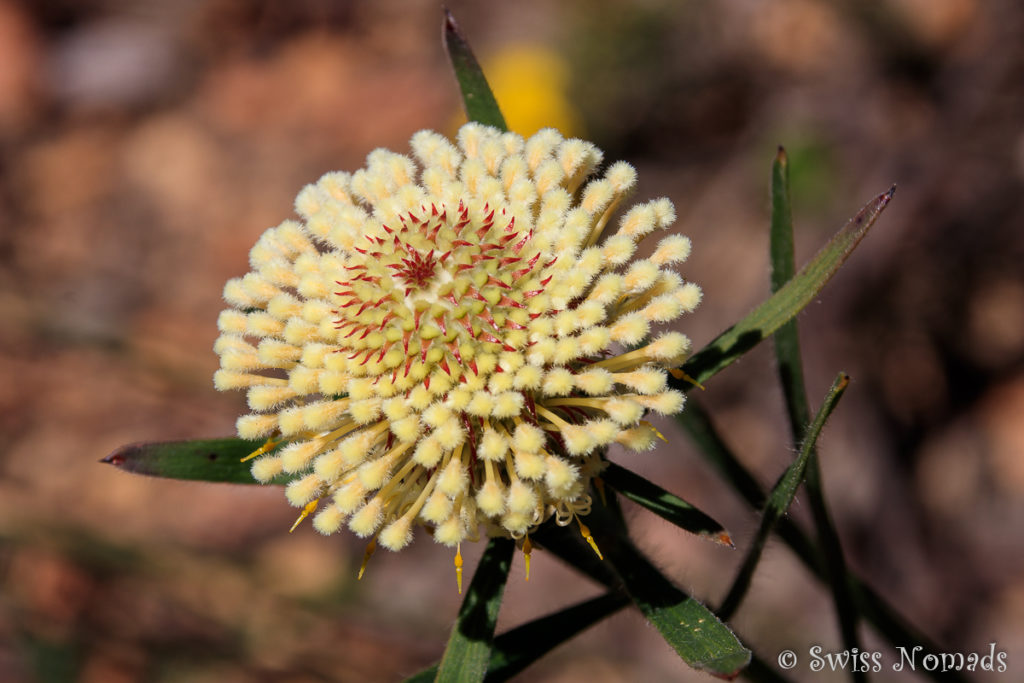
[[416, 269]]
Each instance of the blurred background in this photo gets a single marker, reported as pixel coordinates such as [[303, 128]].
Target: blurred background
[[144, 146]]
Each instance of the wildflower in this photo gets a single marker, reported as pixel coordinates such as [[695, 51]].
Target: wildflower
[[446, 340]]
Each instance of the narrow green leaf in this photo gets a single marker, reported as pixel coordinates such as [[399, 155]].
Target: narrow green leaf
[[697, 423], [701, 640], [791, 375], [838, 576], [893, 627], [214, 460], [518, 648], [469, 646], [514, 650], [787, 340], [780, 499], [784, 304], [476, 93], [696, 634], [664, 504], [783, 263]]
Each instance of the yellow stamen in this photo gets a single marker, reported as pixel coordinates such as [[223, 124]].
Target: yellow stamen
[[598, 402], [396, 479], [421, 499], [370, 548], [628, 303], [625, 361], [658, 434], [599, 226], [339, 432], [268, 446], [510, 468], [585, 531], [679, 374], [458, 566], [555, 420], [306, 511], [527, 549]]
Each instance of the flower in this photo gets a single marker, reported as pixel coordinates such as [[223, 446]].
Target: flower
[[446, 340]]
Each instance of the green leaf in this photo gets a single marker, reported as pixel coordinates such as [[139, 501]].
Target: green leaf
[[783, 264], [215, 460], [476, 93], [696, 634], [791, 375], [514, 650], [781, 497], [787, 340], [667, 505], [469, 646], [784, 304], [875, 609]]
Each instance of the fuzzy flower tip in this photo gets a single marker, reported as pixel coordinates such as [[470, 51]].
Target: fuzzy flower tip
[[453, 338]]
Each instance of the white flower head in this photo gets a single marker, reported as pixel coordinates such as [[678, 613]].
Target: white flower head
[[453, 339]]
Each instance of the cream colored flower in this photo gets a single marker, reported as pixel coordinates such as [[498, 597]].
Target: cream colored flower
[[448, 340]]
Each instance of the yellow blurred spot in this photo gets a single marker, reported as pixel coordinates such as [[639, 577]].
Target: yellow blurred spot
[[531, 84], [268, 446], [306, 511], [370, 548], [458, 566]]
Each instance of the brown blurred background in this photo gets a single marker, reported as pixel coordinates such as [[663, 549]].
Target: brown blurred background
[[145, 145]]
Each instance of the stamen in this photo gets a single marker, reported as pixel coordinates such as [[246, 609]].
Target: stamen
[[679, 374], [602, 221], [585, 532], [658, 434], [598, 402], [370, 548], [306, 511], [555, 420], [268, 446], [458, 566], [527, 549], [396, 479]]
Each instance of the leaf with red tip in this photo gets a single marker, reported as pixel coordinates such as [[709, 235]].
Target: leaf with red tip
[[214, 460], [476, 93], [664, 504], [782, 306]]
